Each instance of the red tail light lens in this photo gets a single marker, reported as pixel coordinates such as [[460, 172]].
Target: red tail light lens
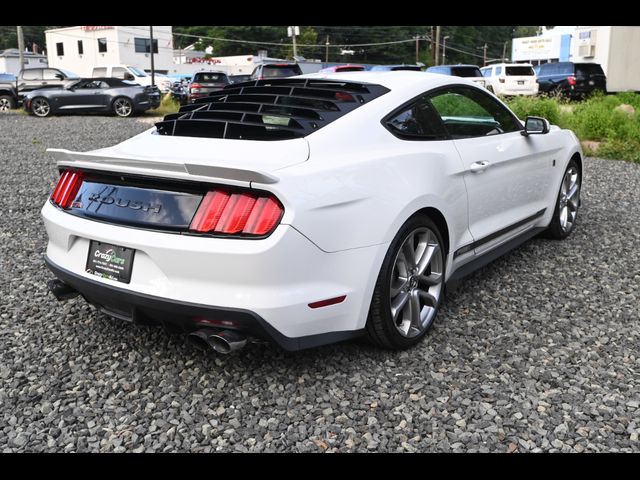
[[67, 188], [571, 80], [237, 213]]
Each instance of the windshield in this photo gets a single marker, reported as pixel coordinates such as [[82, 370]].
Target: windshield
[[69, 74], [466, 71], [519, 71], [137, 72]]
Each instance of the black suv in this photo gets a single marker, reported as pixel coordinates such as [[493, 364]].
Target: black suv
[[35, 78], [275, 70], [574, 80], [8, 92]]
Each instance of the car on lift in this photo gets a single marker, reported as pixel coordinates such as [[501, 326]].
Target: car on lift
[[308, 210]]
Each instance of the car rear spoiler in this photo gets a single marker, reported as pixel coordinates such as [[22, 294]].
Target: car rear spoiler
[[96, 161]]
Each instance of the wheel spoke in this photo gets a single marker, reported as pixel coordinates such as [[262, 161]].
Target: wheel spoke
[[415, 311], [409, 253], [394, 290], [428, 297], [425, 261], [398, 304], [573, 191]]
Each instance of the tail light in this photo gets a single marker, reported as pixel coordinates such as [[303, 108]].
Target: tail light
[[571, 80], [195, 87], [237, 213], [501, 80], [67, 188]]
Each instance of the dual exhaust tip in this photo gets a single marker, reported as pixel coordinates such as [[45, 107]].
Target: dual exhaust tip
[[220, 341]]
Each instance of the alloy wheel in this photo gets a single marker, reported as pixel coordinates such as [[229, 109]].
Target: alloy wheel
[[41, 107], [122, 107], [569, 199], [5, 104], [416, 282]]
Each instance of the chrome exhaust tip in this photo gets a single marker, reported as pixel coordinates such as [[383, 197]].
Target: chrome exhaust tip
[[221, 341]]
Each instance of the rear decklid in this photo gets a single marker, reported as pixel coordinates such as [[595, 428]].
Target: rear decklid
[[520, 77]]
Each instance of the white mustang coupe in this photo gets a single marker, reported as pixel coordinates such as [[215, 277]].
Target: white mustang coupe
[[308, 210]]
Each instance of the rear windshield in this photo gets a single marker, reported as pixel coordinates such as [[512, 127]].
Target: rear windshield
[[210, 77], [281, 71], [466, 72], [519, 71], [412, 68], [349, 69], [588, 69]]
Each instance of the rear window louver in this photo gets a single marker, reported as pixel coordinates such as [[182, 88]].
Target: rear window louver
[[276, 109]]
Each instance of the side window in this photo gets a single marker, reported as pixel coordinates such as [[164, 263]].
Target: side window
[[50, 74], [32, 74], [498, 71], [118, 72], [417, 121], [469, 112], [486, 72], [99, 72]]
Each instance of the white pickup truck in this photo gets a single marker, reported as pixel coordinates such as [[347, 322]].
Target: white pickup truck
[[128, 72]]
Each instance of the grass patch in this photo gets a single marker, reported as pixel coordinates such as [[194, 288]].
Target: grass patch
[[595, 118], [167, 105]]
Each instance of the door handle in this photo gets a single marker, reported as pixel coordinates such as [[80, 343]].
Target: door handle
[[478, 167], [45, 83]]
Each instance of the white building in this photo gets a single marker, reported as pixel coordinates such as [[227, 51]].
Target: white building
[[615, 48], [81, 48], [10, 61]]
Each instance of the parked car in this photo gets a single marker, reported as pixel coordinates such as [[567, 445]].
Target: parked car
[[8, 92], [413, 68], [179, 93], [92, 95], [205, 83], [343, 68], [275, 70], [574, 80], [472, 72], [36, 78], [308, 210], [239, 78], [511, 79], [129, 72]]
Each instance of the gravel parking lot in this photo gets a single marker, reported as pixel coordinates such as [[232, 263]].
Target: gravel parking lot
[[537, 352]]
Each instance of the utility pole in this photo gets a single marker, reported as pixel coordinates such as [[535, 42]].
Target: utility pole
[[417, 48], [433, 47], [21, 46], [444, 49], [326, 51], [437, 45], [153, 75], [292, 32], [484, 55]]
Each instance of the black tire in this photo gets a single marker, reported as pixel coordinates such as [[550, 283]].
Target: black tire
[[40, 107], [557, 230], [7, 102], [123, 107], [380, 329]]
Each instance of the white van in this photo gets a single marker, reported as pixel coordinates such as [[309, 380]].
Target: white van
[[128, 72], [511, 79]]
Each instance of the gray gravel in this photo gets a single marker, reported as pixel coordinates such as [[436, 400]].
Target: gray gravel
[[536, 352]]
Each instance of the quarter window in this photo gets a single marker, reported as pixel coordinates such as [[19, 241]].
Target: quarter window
[[417, 121], [468, 112]]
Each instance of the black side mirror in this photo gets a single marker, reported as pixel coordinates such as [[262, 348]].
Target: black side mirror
[[128, 76], [59, 76], [535, 126]]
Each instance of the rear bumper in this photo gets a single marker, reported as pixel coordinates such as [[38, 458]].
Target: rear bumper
[[274, 279], [141, 308]]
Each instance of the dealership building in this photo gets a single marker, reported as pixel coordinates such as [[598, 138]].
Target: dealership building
[[615, 48], [81, 48]]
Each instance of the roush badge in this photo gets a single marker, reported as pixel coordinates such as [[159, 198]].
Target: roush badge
[[124, 203]]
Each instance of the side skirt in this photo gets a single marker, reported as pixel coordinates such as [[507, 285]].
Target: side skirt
[[490, 256]]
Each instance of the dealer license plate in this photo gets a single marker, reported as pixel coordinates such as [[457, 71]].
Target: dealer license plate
[[110, 261]]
